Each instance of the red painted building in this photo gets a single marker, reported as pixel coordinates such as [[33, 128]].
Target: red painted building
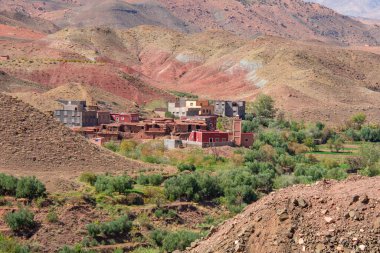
[[125, 117], [209, 137]]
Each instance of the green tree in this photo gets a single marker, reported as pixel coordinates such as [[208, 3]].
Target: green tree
[[263, 107]]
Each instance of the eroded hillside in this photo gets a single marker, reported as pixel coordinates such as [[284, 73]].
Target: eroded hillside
[[325, 217]]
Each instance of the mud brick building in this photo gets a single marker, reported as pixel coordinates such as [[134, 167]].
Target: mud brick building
[[230, 108], [125, 117]]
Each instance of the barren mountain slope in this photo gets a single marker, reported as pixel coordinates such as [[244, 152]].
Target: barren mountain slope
[[248, 18], [33, 143], [325, 217], [312, 81], [47, 101], [11, 84]]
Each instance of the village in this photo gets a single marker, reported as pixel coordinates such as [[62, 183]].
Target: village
[[185, 122]]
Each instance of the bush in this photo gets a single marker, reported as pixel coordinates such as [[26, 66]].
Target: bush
[[197, 187], [179, 240], [166, 214], [154, 179], [30, 187], [110, 184], [52, 217], [284, 181], [183, 166], [112, 146], [158, 236], [21, 221], [112, 229], [88, 177], [8, 245], [8, 184]]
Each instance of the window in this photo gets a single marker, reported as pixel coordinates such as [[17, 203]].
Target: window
[[191, 104], [216, 139], [246, 140], [211, 140], [224, 139]]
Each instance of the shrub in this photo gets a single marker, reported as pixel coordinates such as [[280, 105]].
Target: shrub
[[112, 229], [183, 166], [127, 146], [8, 185], [30, 187], [88, 177], [164, 213], [112, 146], [154, 179], [21, 221], [263, 107], [134, 199], [310, 173], [284, 181], [8, 245], [52, 217], [110, 184], [179, 240], [158, 236]]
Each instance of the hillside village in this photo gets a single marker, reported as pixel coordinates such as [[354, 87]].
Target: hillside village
[[186, 122], [177, 126]]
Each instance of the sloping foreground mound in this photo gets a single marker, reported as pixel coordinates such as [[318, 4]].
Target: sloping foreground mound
[[34, 143], [326, 217]]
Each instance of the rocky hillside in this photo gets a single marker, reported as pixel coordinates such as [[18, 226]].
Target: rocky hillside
[[139, 64], [32, 142], [249, 18], [325, 217]]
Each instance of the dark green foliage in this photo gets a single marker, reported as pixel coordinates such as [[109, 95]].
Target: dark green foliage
[[171, 241], [8, 185], [154, 179], [21, 221], [309, 173], [179, 240], [184, 166], [198, 187], [110, 184], [112, 229], [158, 236], [30, 187], [370, 134], [165, 213]]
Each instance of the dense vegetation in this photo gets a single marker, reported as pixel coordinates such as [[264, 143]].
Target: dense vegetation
[[284, 153], [25, 187]]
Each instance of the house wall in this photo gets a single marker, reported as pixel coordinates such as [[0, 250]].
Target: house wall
[[104, 117], [208, 137], [247, 140]]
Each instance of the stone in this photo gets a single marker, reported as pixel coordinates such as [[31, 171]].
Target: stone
[[319, 248], [329, 220], [376, 223], [362, 247], [365, 199], [301, 241]]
